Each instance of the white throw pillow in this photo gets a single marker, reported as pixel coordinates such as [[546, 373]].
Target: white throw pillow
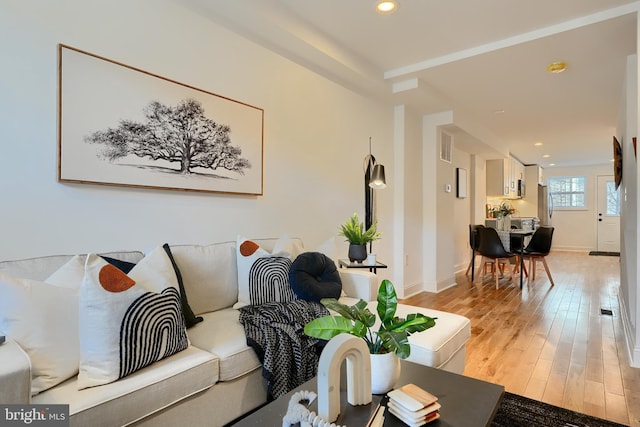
[[264, 276], [70, 275], [43, 319], [128, 321]]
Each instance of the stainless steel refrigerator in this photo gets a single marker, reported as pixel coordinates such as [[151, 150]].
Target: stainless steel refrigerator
[[545, 205]]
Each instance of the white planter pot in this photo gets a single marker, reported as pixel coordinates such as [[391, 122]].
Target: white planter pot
[[385, 371]]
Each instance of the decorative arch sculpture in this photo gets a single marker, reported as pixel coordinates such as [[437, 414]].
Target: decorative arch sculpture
[[356, 353]]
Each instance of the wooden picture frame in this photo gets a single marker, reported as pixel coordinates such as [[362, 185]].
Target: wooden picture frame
[[461, 183], [617, 162], [123, 126]]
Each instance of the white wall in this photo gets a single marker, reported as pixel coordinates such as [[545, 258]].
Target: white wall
[[408, 221], [577, 229], [437, 235], [629, 297], [315, 139], [462, 211]]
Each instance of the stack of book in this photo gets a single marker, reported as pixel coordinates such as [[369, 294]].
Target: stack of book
[[413, 405]]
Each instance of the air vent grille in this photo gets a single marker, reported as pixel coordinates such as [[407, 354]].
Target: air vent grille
[[446, 146]]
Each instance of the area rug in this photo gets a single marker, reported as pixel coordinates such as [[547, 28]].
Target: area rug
[[520, 411], [600, 253]]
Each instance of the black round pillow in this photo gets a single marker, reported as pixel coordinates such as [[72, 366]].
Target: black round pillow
[[314, 276]]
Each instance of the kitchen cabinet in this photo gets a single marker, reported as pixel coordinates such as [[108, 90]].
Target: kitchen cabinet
[[498, 177], [533, 175], [503, 176]]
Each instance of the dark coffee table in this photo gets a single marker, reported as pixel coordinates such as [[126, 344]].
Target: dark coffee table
[[465, 401]]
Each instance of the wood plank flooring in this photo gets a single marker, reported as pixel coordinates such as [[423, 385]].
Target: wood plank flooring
[[550, 343]]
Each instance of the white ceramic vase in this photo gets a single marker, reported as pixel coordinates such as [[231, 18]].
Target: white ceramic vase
[[503, 223], [385, 371]]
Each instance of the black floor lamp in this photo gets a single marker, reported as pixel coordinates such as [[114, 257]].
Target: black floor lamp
[[374, 179]]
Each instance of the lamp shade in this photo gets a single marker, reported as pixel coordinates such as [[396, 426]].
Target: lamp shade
[[377, 180]]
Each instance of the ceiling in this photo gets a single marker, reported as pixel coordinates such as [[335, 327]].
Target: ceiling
[[484, 60]]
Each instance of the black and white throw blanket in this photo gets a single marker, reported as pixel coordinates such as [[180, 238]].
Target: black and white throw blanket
[[275, 331]]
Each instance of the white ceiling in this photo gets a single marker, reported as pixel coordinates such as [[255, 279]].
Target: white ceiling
[[484, 60]]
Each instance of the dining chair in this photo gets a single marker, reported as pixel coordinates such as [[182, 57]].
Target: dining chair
[[537, 250], [473, 244], [492, 250]]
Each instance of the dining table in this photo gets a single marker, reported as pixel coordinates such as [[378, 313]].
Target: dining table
[[505, 236], [521, 234]]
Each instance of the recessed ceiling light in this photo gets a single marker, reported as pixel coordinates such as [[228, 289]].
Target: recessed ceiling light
[[385, 7], [538, 144], [552, 164], [498, 111], [557, 67], [546, 156]]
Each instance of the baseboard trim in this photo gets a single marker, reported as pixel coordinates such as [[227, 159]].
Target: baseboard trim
[[572, 249], [412, 290], [446, 284], [633, 351]]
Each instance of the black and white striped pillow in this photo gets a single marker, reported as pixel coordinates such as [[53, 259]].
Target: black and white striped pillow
[[269, 280], [128, 321], [263, 276]]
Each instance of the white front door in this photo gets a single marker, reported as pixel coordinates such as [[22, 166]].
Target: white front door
[[608, 215]]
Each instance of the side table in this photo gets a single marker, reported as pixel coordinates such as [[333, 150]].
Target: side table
[[345, 263]]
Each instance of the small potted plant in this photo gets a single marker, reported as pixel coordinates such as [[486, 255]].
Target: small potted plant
[[354, 232], [386, 344], [502, 210], [502, 213]]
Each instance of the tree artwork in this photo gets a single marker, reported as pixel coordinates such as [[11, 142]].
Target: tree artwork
[[180, 134]]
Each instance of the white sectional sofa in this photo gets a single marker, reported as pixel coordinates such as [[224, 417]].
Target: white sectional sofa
[[217, 378]]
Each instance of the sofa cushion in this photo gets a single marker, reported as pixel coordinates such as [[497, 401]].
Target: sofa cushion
[[128, 321], [144, 392], [222, 334], [263, 276], [437, 345], [43, 319], [41, 267], [70, 275], [208, 274], [314, 276]]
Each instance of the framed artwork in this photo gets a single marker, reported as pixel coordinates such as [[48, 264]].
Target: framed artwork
[[617, 162], [119, 125], [461, 183]]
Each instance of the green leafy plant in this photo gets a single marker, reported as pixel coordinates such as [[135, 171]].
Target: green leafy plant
[[392, 334], [503, 209], [353, 230]]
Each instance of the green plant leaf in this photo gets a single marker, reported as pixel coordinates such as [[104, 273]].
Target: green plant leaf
[[418, 322], [338, 307], [357, 320], [357, 312], [396, 342], [413, 323], [353, 230], [327, 327], [387, 302]]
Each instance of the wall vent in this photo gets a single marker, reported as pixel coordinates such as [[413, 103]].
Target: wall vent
[[446, 146]]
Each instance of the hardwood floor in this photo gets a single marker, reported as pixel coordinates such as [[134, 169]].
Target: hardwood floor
[[550, 343]]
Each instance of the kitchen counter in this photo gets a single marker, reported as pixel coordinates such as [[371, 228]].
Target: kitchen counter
[[520, 222]]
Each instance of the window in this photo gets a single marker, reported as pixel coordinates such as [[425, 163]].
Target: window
[[613, 199], [567, 191]]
